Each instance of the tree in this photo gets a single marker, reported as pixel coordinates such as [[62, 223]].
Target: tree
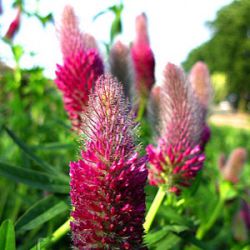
[[228, 50]]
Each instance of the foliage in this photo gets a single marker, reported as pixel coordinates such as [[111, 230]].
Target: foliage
[[228, 50]]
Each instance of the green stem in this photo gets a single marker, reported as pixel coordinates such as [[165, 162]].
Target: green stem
[[203, 229], [154, 208], [57, 235], [141, 110]]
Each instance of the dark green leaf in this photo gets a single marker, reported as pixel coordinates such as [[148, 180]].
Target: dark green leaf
[[44, 165], [154, 237], [35, 179], [41, 212], [100, 14], [168, 242], [7, 236]]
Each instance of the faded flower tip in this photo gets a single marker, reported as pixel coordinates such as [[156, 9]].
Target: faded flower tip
[[121, 66], [141, 27], [180, 114], [200, 80], [234, 165], [107, 183], [72, 40]]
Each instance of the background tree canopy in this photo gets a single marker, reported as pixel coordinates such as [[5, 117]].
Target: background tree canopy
[[228, 51]]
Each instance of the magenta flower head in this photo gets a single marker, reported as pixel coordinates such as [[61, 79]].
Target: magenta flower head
[[14, 26], [82, 65], [177, 158], [107, 183], [143, 58], [121, 66]]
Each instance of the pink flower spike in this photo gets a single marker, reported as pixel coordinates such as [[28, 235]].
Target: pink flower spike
[[180, 127], [82, 65], [143, 59], [14, 26], [107, 183]]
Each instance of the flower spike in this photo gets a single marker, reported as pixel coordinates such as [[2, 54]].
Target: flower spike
[[107, 183], [82, 65], [178, 157], [143, 59]]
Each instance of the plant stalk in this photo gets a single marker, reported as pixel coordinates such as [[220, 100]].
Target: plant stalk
[[154, 208]]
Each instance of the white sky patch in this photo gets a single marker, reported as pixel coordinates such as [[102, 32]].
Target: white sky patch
[[175, 28]]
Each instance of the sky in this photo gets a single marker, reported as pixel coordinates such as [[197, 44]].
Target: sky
[[175, 28]]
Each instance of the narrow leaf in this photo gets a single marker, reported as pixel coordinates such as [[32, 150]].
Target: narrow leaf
[[33, 178], [44, 165], [7, 236], [41, 212]]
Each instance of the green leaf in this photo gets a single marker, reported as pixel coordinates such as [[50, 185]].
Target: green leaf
[[116, 28], [44, 165], [33, 178], [227, 190], [52, 146], [168, 242], [41, 212], [153, 238], [17, 51], [45, 19], [7, 236]]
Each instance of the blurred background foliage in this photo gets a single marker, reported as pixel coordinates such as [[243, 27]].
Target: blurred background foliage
[[37, 145], [228, 51]]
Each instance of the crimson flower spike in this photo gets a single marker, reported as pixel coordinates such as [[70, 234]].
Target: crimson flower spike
[[107, 183], [82, 65], [177, 158], [14, 26], [143, 59], [121, 66], [200, 81]]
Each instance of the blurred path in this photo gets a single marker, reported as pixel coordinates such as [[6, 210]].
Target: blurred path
[[238, 120]]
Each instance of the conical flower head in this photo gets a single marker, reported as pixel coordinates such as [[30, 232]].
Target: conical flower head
[[121, 66], [143, 59], [178, 157], [107, 183], [14, 26], [82, 65]]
